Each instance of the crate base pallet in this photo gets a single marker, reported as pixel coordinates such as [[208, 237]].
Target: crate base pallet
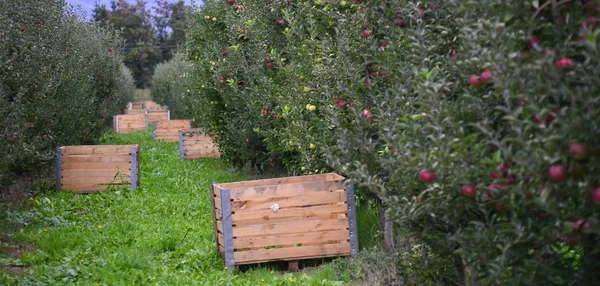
[[194, 144], [168, 130], [127, 123], [94, 168], [284, 219]]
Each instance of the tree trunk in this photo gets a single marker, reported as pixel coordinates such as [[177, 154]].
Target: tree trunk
[[474, 276], [460, 270], [387, 226]]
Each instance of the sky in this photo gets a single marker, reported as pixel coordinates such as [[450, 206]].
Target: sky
[[88, 5]]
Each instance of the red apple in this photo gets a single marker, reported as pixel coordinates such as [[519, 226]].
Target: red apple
[[366, 113], [224, 52], [549, 118], [534, 43], [110, 50], [557, 172], [281, 22], [596, 196], [474, 80], [269, 65], [504, 168], [37, 22], [486, 76], [221, 78], [469, 191], [247, 141], [366, 33], [267, 60], [493, 175], [22, 29], [536, 118], [341, 103], [236, 7], [426, 176], [578, 150], [230, 2], [565, 62], [45, 136], [578, 224]]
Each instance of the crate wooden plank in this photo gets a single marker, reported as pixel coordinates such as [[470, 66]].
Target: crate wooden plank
[[269, 216], [79, 173], [96, 166], [282, 181], [220, 226], [255, 256], [135, 111], [218, 203], [202, 155], [252, 192], [170, 124], [289, 227], [89, 189], [200, 146], [96, 149], [293, 200], [98, 158], [95, 180], [320, 237], [158, 115]]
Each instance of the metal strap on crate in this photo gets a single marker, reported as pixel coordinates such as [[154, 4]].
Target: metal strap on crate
[[352, 219], [227, 229], [134, 167], [58, 169], [181, 151]]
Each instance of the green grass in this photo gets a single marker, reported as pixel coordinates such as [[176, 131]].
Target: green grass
[[159, 234]]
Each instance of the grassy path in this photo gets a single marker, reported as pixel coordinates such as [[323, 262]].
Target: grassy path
[[160, 234]]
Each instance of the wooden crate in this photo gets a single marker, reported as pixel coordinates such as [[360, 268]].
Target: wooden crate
[[88, 169], [134, 111], [158, 115], [316, 218], [194, 144], [168, 130], [135, 105], [151, 105], [127, 123]]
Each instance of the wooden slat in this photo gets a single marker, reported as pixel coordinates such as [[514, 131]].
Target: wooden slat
[[88, 189], [98, 158], [135, 111], [218, 203], [201, 146], [220, 226], [201, 155], [278, 181], [292, 200], [269, 216], [171, 124], [321, 237], [123, 167], [289, 227], [96, 180], [252, 192], [302, 252], [96, 149], [79, 173]]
